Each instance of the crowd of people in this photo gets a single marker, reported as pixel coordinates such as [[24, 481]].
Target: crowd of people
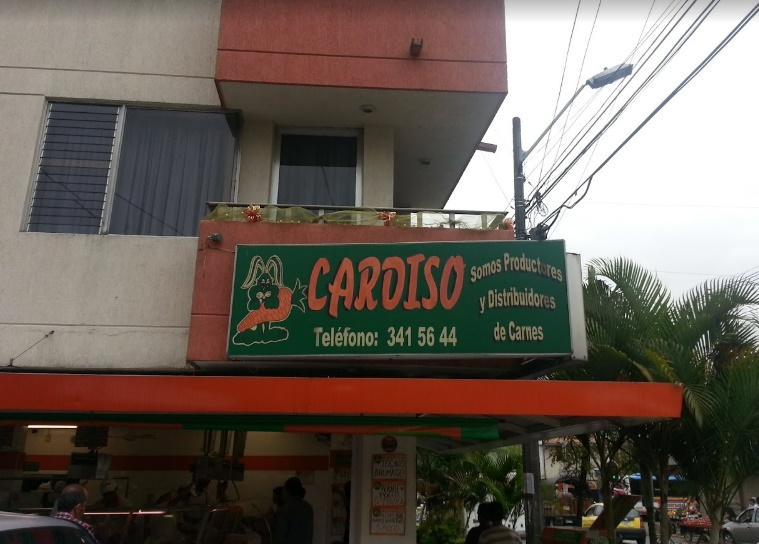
[[290, 520]]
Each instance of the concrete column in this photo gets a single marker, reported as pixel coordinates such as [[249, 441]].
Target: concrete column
[[379, 166], [374, 458], [257, 142]]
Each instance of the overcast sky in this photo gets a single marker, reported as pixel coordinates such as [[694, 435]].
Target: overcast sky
[[682, 197]]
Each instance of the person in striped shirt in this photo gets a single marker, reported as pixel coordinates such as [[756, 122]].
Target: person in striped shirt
[[71, 506]]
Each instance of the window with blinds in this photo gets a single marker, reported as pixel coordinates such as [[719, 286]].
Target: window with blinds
[[170, 163], [74, 167]]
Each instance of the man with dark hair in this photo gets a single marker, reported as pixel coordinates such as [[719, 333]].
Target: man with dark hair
[[498, 533], [295, 522], [71, 506], [473, 536]]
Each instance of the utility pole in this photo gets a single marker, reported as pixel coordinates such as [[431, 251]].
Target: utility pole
[[609, 75], [533, 503], [520, 231]]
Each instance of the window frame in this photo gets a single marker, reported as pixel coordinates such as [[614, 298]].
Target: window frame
[[105, 217], [345, 132]]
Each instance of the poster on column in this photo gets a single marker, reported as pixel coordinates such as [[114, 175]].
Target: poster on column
[[340, 461], [388, 521], [388, 494]]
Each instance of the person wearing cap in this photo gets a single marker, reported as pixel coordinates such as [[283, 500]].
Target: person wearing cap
[[193, 502], [295, 522], [109, 528], [110, 498]]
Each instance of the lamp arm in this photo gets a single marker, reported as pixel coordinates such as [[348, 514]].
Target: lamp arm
[[558, 115]]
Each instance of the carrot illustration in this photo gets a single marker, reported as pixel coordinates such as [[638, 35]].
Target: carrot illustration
[[266, 315]]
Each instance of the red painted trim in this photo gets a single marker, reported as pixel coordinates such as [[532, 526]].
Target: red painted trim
[[104, 394], [365, 73], [183, 462], [364, 43], [50, 462]]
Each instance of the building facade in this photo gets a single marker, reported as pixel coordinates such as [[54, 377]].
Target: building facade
[[313, 123]]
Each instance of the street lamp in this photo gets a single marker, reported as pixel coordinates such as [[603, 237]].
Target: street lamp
[[609, 75]]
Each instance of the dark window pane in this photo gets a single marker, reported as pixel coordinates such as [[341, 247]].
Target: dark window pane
[[171, 164], [73, 171], [317, 170]]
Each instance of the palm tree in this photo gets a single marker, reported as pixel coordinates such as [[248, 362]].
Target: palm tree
[[717, 451], [502, 478], [636, 332]]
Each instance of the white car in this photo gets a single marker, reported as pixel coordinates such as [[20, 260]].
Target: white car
[[33, 529]]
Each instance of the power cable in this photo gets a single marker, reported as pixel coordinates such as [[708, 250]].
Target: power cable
[[561, 82], [495, 179], [637, 45], [705, 62], [595, 96], [620, 88], [657, 70], [607, 104], [577, 83]]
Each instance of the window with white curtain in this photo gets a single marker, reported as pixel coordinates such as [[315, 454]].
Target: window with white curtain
[[319, 169], [126, 170]]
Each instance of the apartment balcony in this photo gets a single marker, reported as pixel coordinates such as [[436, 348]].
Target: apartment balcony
[[321, 63]]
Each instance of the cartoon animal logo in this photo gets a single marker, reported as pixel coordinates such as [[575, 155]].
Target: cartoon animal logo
[[269, 302]]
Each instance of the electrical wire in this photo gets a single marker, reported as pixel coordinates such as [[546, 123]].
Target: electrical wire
[[620, 88], [577, 83], [563, 73], [640, 40], [662, 63], [651, 50], [595, 96], [657, 70], [705, 62], [495, 179]]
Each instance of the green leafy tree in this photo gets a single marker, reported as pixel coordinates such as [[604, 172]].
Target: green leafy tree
[[453, 485], [701, 342], [637, 332]]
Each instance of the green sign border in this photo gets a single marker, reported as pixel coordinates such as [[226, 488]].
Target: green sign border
[[473, 300]]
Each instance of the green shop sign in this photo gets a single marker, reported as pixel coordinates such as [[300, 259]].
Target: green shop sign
[[411, 300]]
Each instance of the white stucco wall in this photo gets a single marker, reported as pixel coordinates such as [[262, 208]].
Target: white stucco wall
[[257, 141], [379, 165], [113, 301]]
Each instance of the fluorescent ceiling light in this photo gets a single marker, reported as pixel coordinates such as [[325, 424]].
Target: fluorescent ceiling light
[[52, 426]]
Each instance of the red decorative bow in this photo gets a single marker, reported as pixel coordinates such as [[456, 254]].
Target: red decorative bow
[[252, 214], [387, 217]]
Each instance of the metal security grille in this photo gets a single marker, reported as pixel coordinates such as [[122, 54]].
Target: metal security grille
[[74, 168]]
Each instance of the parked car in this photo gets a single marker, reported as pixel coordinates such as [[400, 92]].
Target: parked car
[[744, 529], [630, 528], [643, 513], [33, 529]]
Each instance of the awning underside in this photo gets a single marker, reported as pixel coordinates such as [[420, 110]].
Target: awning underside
[[446, 415]]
